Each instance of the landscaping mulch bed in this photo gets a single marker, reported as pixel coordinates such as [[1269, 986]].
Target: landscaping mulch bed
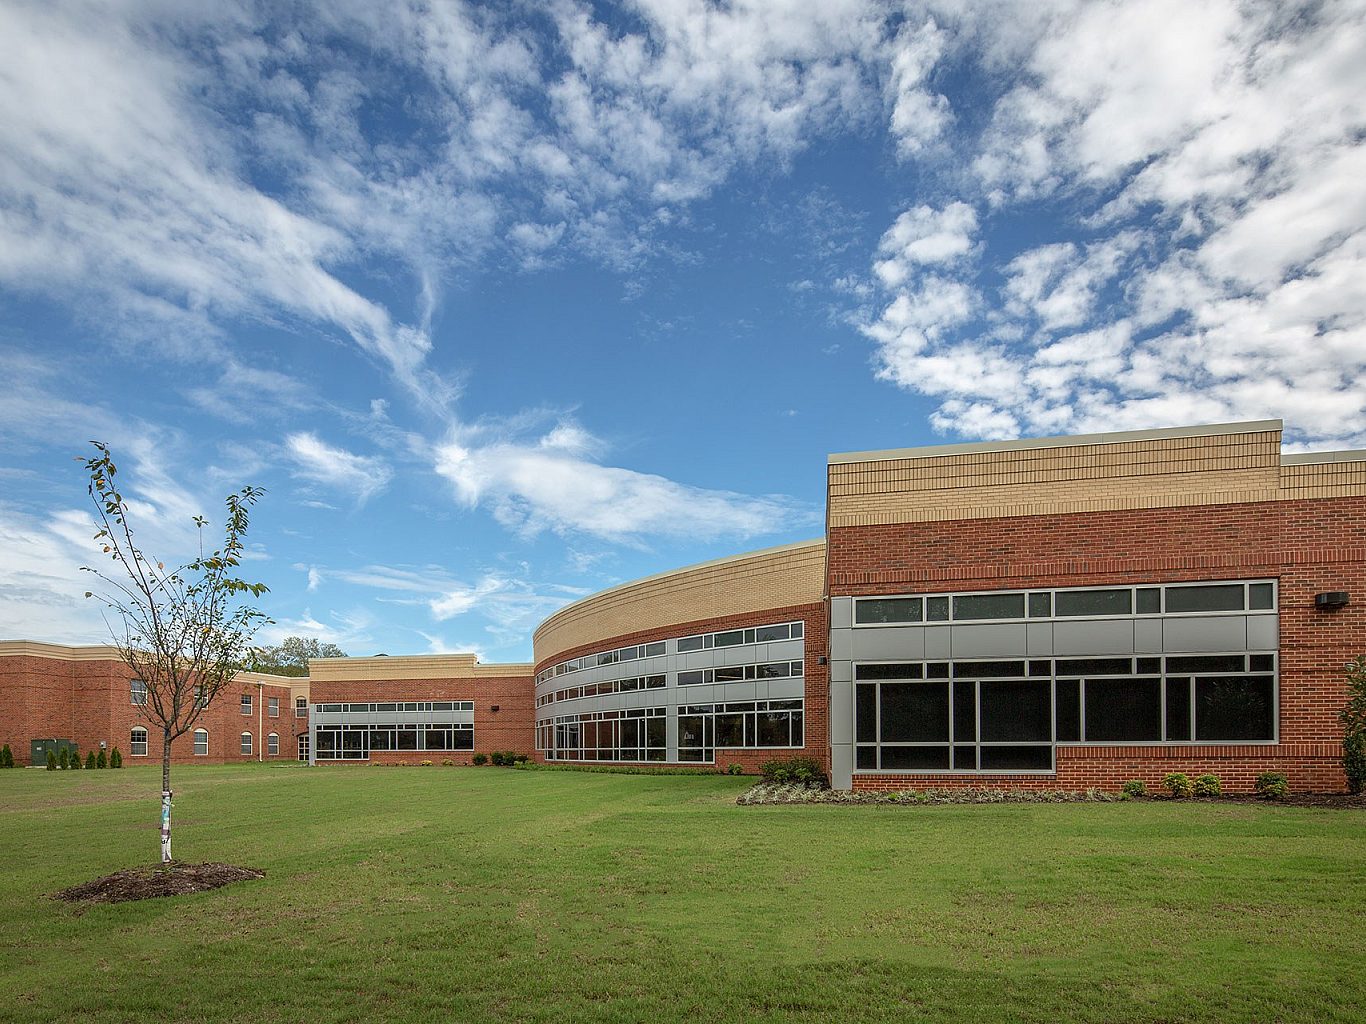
[[174, 879], [768, 793]]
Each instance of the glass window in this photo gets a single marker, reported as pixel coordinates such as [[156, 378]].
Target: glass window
[[964, 713], [300, 707], [1235, 708], [766, 633], [989, 606], [988, 669], [1095, 666], [273, 707], [137, 692], [1095, 602], [1123, 710], [1206, 663], [246, 743], [893, 671], [1261, 596], [916, 758], [796, 630], [730, 730], [775, 729], [201, 742], [1178, 709], [1226, 598], [915, 712], [653, 649], [1040, 605], [895, 609], [137, 742], [691, 678], [246, 703], [273, 744], [1068, 710], [936, 609], [1016, 711], [690, 643], [729, 674], [1148, 600], [733, 638], [865, 712], [1017, 759]]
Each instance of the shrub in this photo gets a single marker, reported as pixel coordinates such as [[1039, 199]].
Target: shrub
[[1207, 785], [1271, 786], [425, 764], [74, 759], [1353, 718], [1178, 785], [521, 758], [734, 769], [497, 758], [802, 770], [63, 759], [101, 761], [51, 761], [447, 762], [6, 757], [90, 761], [115, 758], [1133, 789], [481, 759]]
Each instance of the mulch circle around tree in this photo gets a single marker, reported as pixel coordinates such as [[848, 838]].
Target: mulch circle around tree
[[174, 879]]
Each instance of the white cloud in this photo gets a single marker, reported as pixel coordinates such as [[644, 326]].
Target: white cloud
[[540, 486], [1209, 262], [360, 476]]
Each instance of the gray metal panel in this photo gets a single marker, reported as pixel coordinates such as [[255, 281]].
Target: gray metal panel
[[937, 642], [841, 644], [841, 713], [1148, 636], [1093, 637], [986, 640], [785, 689], [735, 691], [889, 642], [1039, 639], [842, 766], [784, 650], [1263, 632], [841, 612], [841, 671], [697, 659], [1201, 633]]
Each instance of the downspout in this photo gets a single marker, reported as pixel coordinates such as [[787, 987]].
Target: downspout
[[260, 717]]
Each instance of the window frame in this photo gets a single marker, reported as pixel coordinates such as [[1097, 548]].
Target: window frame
[[273, 744], [246, 744], [133, 684], [245, 703], [197, 734], [133, 741]]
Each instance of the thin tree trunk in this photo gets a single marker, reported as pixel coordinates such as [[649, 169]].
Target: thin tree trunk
[[166, 796]]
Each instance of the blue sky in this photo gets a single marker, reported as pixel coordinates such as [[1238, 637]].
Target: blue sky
[[505, 304]]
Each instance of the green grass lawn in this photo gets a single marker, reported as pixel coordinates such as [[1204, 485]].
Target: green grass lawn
[[495, 895]]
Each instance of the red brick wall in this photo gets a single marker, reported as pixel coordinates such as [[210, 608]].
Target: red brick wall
[[816, 709], [89, 702], [511, 727], [1310, 546]]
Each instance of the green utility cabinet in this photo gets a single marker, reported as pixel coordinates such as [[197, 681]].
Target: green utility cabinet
[[37, 750]]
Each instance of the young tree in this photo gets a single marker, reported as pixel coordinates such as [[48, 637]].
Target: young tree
[[1353, 718], [183, 631]]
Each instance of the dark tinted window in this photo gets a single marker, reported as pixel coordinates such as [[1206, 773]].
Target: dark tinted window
[[1178, 709], [898, 609], [988, 669], [965, 712], [1094, 602], [1205, 599], [1123, 710], [730, 639], [1207, 663], [690, 643], [936, 609], [915, 712], [1095, 666], [1040, 605], [1016, 711], [965, 758], [1148, 601], [865, 712], [1235, 708], [1069, 710], [866, 757], [925, 758], [1260, 596], [1017, 758], [989, 606], [895, 671]]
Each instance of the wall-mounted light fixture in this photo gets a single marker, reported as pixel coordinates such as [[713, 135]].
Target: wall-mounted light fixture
[[494, 708], [822, 660], [1331, 599]]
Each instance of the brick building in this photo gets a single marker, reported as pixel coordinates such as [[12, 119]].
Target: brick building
[[1057, 612], [87, 697]]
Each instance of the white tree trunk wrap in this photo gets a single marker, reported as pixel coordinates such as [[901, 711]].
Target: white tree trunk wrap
[[165, 826]]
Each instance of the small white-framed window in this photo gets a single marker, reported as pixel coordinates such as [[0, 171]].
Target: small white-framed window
[[199, 700], [201, 743], [246, 703], [246, 743], [137, 742], [303, 746], [273, 745], [137, 692], [273, 707], [300, 707]]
